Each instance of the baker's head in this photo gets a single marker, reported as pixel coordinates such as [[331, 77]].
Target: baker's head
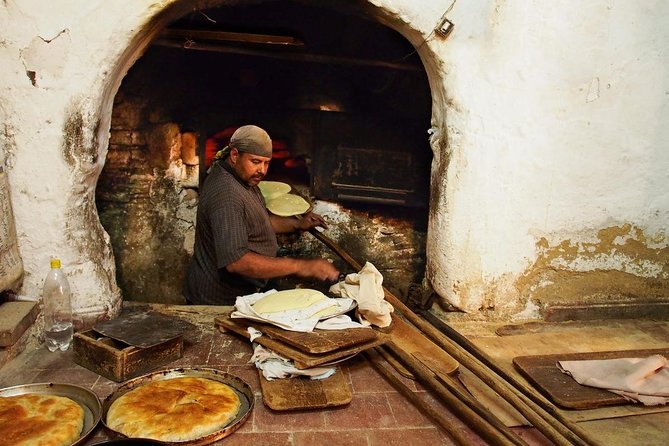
[[251, 139], [250, 151]]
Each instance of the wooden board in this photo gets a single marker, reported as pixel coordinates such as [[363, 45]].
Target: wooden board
[[562, 389], [321, 341], [303, 393], [409, 339], [15, 319], [302, 359]]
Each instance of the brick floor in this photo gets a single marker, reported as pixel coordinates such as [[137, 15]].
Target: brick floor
[[377, 415]]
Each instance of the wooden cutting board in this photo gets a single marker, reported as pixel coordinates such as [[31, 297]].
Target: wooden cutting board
[[562, 389], [302, 359], [303, 393]]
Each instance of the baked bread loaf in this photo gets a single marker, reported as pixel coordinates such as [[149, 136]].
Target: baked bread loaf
[[171, 410], [44, 420]]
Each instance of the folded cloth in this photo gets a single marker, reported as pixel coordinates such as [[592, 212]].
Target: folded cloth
[[275, 366], [340, 322], [366, 288], [302, 320], [638, 379]]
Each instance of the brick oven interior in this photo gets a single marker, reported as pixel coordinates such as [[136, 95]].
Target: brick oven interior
[[346, 101]]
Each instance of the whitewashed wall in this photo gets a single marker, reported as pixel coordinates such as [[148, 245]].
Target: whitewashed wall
[[557, 130], [548, 132]]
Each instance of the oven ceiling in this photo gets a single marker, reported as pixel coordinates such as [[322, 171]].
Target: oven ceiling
[[293, 31]]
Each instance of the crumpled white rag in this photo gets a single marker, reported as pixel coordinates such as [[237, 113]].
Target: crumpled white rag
[[366, 288], [275, 366], [302, 320], [638, 379]]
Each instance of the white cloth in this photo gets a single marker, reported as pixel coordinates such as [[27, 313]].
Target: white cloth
[[639, 379], [366, 288], [340, 322], [302, 320], [275, 366]]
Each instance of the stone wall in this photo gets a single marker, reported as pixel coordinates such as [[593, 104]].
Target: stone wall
[[146, 198]]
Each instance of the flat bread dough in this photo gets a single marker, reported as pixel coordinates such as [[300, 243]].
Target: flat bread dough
[[36, 419], [273, 189], [172, 410], [287, 205], [288, 300]]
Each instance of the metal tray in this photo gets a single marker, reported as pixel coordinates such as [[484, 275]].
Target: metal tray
[[240, 387], [88, 401], [143, 329]]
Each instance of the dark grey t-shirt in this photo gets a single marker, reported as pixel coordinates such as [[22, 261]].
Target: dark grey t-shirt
[[231, 220]]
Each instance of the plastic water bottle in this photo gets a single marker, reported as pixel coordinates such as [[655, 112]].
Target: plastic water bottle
[[57, 309]]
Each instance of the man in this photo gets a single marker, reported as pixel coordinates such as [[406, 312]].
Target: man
[[235, 235]]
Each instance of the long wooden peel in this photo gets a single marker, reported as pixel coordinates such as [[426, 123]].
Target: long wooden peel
[[469, 346], [470, 412], [374, 356], [554, 429]]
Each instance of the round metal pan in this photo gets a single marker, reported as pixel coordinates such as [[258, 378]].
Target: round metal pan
[[88, 401], [240, 387]]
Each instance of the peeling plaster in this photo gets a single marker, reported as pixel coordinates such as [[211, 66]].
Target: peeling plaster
[[45, 59], [619, 264]]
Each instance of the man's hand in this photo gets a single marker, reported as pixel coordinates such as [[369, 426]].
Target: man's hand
[[318, 269], [311, 220]]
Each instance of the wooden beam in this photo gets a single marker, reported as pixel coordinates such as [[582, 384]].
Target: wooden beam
[[226, 36], [296, 57]]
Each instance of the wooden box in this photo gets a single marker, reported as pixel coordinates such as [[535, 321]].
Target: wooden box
[[118, 361]]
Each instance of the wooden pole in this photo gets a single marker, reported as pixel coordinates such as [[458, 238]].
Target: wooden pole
[[471, 413], [478, 354], [548, 425], [455, 434]]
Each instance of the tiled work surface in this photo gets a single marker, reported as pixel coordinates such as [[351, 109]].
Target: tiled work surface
[[377, 415]]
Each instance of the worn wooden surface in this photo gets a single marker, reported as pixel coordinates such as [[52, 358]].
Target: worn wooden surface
[[408, 338], [303, 393], [302, 359], [118, 361], [321, 341], [562, 389], [15, 318]]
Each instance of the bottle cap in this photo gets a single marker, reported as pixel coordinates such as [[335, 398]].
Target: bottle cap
[[55, 263]]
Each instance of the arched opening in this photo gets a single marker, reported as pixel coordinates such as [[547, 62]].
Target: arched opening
[[346, 97]]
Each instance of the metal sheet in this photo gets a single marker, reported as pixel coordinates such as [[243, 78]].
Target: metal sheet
[[143, 329], [84, 397], [241, 388]]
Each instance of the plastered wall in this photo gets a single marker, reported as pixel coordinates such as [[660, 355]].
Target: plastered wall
[[550, 162]]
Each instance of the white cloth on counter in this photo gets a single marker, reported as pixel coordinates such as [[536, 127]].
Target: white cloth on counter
[[638, 379], [366, 288], [275, 366], [302, 320], [340, 322]]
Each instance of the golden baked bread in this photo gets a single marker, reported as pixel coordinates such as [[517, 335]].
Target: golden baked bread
[[44, 420], [177, 409]]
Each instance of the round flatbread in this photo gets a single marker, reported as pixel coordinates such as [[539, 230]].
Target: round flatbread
[[273, 189], [288, 205], [177, 409], [44, 420], [288, 300]]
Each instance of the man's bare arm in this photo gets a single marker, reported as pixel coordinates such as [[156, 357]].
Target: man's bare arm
[[263, 267]]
